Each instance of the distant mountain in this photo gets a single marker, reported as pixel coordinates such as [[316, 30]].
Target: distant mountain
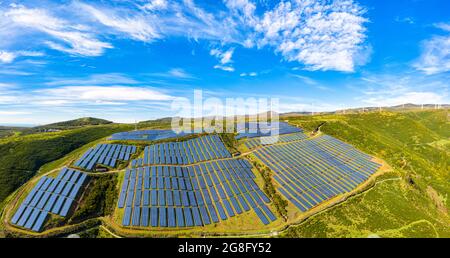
[[79, 122], [66, 125]]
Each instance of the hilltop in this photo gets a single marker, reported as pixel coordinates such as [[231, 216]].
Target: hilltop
[[84, 121]]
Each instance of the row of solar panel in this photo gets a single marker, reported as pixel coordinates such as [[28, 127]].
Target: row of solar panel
[[147, 135], [255, 142], [50, 195], [189, 171], [196, 186], [105, 154], [311, 189], [255, 129], [187, 152], [309, 174], [186, 216]]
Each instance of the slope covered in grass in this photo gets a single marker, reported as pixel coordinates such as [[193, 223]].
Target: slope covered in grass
[[22, 156], [413, 200]]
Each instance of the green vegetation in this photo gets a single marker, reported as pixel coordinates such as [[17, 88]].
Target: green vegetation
[[22, 156], [410, 202], [279, 203], [6, 131], [66, 125], [99, 199], [230, 142]]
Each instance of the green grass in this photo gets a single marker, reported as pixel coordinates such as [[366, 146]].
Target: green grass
[[396, 208], [99, 199], [22, 156]]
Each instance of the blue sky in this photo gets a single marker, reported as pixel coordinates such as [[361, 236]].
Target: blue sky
[[127, 60]]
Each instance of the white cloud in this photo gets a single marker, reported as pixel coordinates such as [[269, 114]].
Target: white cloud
[[179, 73], [435, 57], [154, 5], [223, 56], [224, 59], [134, 25], [251, 74], [95, 79], [390, 90], [14, 113], [104, 93], [408, 97], [8, 57], [73, 38], [224, 68], [321, 35]]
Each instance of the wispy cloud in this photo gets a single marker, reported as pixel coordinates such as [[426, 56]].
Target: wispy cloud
[[65, 36], [94, 79], [320, 35], [251, 74], [435, 56], [8, 57], [389, 90], [174, 73], [138, 27], [224, 59]]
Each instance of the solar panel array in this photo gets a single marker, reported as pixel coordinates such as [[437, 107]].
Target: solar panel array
[[187, 152], [188, 196], [256, 142], [315, 170], [50, 195], [256, 129], [105, 154], [147, 135]]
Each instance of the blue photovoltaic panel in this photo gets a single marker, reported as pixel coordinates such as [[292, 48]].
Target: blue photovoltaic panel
[[145, 216], [127, 216], [261, 216], [33, 217], [162, 217], [196, 216], [40, 221], [136, 220], [192, 195], [25, 216], [188, 217], [18, 213], [153, 217], [171, 222]]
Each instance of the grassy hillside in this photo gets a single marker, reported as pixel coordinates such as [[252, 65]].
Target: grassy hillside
[[22, 156], [413, 201], [66, 125], [81, 122], [6, 131]]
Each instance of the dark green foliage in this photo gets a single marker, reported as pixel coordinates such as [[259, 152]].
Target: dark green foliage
[[21, 157], [230, 142], [279, 203], [99, 199]]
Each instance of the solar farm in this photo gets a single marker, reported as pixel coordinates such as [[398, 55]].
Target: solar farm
[[105, 154], [256, 142], [312, 171], [181, 153], [146, 135], [196, 185], [255, 129], [49, 196], [198, 195]]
